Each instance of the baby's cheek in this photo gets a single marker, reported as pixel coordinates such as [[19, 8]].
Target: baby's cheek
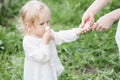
[[43, 32]]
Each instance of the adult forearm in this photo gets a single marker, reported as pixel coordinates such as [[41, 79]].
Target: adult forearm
[[96, 6], [115, 15]]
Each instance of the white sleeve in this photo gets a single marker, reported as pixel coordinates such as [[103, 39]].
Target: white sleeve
[[64, 36], [38, 53], [117, 36]]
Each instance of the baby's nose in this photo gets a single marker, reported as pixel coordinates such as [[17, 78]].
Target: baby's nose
[[47, 27]]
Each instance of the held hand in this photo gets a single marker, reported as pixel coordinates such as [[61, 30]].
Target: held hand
[[83, 29], [103, 23], [87, 17], [47, 36], [86, 27]]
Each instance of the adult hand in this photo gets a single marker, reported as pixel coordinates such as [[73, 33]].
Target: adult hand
[[103, 23], [85, 28], [87, 17]]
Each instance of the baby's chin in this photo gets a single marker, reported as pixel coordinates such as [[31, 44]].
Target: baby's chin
[[39, 35], [42, 34]]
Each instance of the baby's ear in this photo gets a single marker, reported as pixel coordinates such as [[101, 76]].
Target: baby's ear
[[28, 26]]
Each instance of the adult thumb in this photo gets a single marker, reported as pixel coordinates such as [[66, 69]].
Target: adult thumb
[[82, 24]]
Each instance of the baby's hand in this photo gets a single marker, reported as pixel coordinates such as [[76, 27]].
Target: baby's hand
[[47, 36], [84, 29]]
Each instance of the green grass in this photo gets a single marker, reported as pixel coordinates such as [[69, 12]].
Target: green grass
[[94, 56]]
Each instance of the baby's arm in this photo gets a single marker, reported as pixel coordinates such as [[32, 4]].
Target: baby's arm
[[69, 35], [38, 53], [64, 36]]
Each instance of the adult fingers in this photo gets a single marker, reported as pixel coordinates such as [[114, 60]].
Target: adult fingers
[[98, 27], [94, 26]]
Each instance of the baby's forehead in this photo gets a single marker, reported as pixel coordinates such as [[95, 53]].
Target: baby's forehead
[[35, 6], [35, 10], [44, 15]]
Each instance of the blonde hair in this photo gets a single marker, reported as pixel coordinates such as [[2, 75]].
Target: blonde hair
[[30, 14]]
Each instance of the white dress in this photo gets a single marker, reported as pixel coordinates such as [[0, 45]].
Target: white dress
[[117, 37], [41, 61]]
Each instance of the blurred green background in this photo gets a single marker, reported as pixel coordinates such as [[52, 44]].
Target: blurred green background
[[94, 56]]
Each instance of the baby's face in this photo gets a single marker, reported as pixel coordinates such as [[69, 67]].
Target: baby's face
[[43, 23]]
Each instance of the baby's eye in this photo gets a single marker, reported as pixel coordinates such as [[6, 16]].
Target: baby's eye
[[47, 21], [41, 23]]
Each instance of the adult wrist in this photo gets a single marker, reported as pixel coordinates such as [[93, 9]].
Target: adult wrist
[[92, 13], [114, 15]]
